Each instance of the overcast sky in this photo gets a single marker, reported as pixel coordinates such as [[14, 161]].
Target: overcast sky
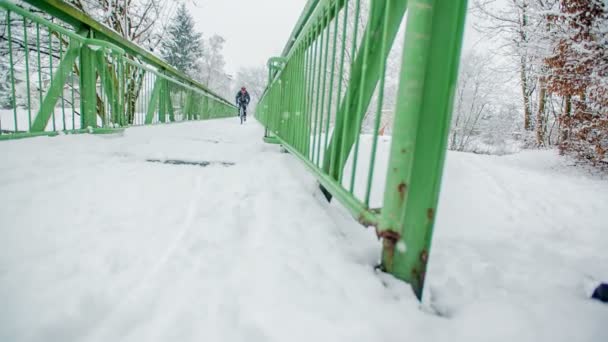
[[255, 30]]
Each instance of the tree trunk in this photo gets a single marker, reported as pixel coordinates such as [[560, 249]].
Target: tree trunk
[[564, 124], [541, 122], [525, 87], [526, 95]]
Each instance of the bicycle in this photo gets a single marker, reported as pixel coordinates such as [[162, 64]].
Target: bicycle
[[242, 113]]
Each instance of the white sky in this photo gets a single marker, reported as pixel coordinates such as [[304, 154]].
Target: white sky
[[255, 30]]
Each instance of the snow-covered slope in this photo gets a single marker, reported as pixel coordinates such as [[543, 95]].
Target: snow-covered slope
[[97, 244]]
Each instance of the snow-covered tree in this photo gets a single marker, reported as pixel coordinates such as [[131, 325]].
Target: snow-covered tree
[[182, 46], [511, 22], [479, 109], [142, 21], [579, 73], [211, 66]]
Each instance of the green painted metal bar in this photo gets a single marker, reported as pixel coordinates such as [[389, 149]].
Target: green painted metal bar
[[323, 90], [47, 107], [303, 95], [428, 79], [331, 80], [62, 87], [73, 101], [122, 120], [334, 150], [308, 11], [380, 103], [294, 89], [27, 75], [117, 86], [301, 130], [109, 84], [363, 215], [340, 127], [169, 102], [288, 114], [154, 100], [51, 73], [11, 7], [424, 107], [297, 91], [308, 111], [39, 64], [366, 66], [162, 104], [76, 18], [12, 72], [320, 18], [88, 88], [317, 96], [360, 101], [295, 106], [188, 106]]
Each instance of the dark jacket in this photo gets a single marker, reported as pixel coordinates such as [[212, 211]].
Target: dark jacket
[[242, 99]]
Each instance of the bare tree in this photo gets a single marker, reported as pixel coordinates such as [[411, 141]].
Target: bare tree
[[143, 22], [473, 101], [511, 22], [212, 64]]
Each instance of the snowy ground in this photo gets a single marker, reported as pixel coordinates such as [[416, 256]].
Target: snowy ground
[[64, 119], [97, 244]]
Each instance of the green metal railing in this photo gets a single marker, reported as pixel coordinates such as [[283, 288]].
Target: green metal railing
[[336, 87], [61, 71]]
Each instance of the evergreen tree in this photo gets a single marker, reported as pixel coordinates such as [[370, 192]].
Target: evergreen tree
[[182, 46]]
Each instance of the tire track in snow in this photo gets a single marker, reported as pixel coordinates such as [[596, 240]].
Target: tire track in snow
[[113, 317]]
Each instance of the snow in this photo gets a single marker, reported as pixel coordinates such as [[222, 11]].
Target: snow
[[63, 119], [97, 244]]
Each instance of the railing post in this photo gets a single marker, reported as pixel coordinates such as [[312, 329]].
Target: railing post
[[88, 87], [162, 100], [188, 106], [275, 65], [110, 82], [153, 103], [421, 125], [169, 102]]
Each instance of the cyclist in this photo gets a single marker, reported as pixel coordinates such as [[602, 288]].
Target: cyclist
[[242, 100]]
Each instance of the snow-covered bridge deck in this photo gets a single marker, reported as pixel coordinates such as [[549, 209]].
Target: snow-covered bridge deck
[[101, 240]]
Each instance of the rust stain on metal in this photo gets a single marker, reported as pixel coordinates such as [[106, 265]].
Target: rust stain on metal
[[430, 214], [419, 276], [402, 188], [424, 256], [389, 240], [389, 235], [364, 221]]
